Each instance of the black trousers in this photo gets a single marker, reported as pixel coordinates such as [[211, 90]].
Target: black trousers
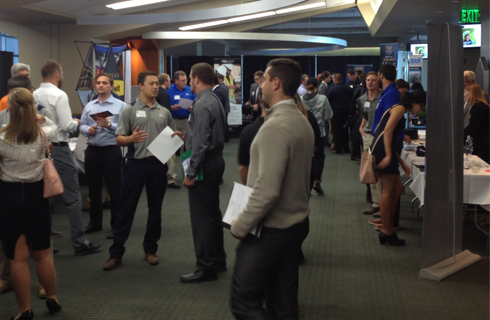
[[207, 228], [103, 164], [267, 268], [356, 139], [149, 173], [340, 131], [319, 163]]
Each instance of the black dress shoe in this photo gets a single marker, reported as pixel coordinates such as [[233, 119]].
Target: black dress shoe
[[56, 234], [173, 185], [53, 306], [110, 235], [199, 276], [91, 229], [106, 204], [28, 315], [87, 249], [318, 188], [337, 152]]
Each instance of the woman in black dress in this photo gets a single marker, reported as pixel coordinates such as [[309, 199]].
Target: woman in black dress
[[478, 128], [387, 160]]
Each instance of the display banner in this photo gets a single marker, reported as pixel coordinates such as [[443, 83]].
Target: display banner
[[389, 53], [415, 68], [231, 69]]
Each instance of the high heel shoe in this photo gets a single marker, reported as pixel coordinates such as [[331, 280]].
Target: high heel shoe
[[53, 306], [28, 315], [392, 239]]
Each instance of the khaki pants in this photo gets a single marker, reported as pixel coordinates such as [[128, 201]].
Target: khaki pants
[[367, 140], [180, 125]]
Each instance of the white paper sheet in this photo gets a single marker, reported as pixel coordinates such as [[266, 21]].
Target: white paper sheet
[[238, 201], [164, 146], [185, 103]]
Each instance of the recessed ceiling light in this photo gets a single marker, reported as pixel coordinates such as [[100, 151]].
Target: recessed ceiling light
[[132, 3]]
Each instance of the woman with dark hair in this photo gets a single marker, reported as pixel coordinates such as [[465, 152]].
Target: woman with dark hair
[[320, 107], [478, 128], [25, 216], [387, 160]]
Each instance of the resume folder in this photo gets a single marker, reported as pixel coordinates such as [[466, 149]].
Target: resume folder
[[238, 200]]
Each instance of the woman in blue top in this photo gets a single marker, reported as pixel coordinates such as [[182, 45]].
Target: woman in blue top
[[387, 160]]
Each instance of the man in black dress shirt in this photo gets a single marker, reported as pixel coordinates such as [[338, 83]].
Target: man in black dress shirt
[[253, 100], [340, 95], [205, 137], [163, 98]]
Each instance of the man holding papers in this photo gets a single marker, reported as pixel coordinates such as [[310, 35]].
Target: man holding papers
[[138, 126], [279, 173], [205, 138], [103, 159]]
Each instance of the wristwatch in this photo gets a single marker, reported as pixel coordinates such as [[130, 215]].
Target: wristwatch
[[189, 177], [108, 124]]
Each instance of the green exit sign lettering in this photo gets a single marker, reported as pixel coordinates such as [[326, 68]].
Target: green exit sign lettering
[[469, 16]]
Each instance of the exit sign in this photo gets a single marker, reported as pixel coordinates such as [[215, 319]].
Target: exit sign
[[469, 16]]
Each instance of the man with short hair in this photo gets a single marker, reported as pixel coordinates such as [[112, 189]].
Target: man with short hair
[[322, 88], [340, 96], [51, 96], [138, 126], [253, 100], [163, 98], [206, 140], [302, 87], [354, 81], [103, 158], [279, 173], [17, 69]]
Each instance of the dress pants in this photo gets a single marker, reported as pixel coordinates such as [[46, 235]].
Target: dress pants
[[207, 228], [64, 162], [340, 131], [149, 173], [267, 267], [180, 125], [319, 156], [103, 163]]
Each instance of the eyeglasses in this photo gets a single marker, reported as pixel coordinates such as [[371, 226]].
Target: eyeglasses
[[257, 79]]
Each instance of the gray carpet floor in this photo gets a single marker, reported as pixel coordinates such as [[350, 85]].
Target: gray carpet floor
[[347, 273]]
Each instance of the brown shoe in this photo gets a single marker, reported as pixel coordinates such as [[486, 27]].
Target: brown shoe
[[112, 264], [4, 286], [375, 222], [151, 259], [371, 210]]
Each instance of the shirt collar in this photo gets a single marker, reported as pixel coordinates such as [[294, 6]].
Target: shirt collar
[[48, 85], [140, 104], [202, 92], [109, 100]]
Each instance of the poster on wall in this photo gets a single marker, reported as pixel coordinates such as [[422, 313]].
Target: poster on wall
[[231, 69], [415, 68], [389, 53]]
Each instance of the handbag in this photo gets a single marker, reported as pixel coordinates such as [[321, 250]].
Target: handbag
[[52, 182], [367, 172]]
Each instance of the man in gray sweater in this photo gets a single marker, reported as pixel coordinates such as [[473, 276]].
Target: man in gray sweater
[[279, 173]]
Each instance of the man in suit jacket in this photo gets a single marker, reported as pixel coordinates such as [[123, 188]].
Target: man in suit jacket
[[253, 100], [325, 79]]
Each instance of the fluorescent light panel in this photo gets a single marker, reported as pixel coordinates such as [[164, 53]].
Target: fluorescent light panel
[[132, 3], [299, 8], [203, 25]]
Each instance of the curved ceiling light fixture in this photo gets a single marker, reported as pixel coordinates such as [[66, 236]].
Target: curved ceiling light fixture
[[188, 16]]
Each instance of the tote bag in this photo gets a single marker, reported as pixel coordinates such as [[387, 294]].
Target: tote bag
[[52, 182]]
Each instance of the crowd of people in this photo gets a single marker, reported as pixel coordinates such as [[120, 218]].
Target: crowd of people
[[282, 166]]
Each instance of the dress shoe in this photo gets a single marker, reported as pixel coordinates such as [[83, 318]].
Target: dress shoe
[[151, 259], [375, 221], [86, 207], [110, 235], [42, 293], [392, 239], [56, 234], [56, 250], [337, 152], [87, 249], [53, 306], [371, 210], [4, 286], [318, 188], [199, 276], [173, 185], [91, 229], [112, 264], [106, 204], [28, 315], [377, 214]]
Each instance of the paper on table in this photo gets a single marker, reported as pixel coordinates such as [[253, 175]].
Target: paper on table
[[164, 146], [238, 201], [185, 103]]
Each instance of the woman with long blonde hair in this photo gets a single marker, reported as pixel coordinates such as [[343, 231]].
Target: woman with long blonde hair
[[25, 216], [478, 128]]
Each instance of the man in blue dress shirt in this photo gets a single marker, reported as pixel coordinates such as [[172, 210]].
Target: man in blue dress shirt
[[103, 159]]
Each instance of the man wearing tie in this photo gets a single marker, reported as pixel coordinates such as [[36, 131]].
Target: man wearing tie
[[253, 101]]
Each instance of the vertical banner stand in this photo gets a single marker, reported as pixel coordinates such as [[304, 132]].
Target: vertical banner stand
[[442, 253]]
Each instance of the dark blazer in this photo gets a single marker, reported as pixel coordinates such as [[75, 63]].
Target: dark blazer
[[163, 99], [479, 126], [227, 92], [253, 99], [221, 94]]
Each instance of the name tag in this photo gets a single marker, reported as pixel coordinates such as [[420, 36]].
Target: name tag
[[367, 104], [176, 97], [140, 114], [351, 86]]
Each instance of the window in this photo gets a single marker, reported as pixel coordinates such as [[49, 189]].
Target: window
[[11, 44]]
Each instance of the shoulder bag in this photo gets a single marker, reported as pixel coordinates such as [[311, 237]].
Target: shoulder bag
[[52, 182]]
